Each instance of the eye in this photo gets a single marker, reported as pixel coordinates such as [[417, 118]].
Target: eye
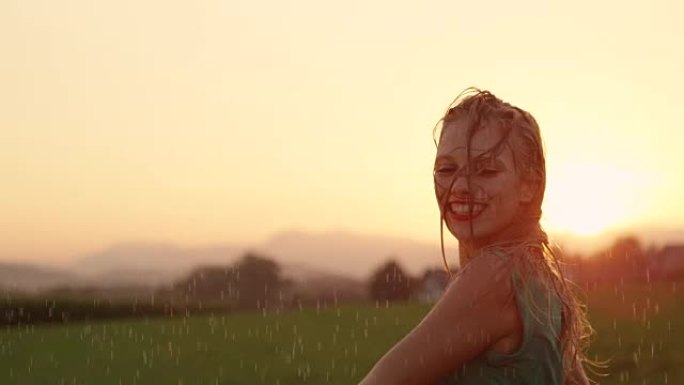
[[486, 168], [489, 172], [445, 169]]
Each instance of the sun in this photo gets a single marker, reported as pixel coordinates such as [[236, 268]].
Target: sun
[[586, 199]]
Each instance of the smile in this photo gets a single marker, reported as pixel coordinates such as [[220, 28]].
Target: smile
[[461, 211]]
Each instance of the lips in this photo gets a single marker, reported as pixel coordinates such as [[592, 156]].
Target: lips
[[461, 210]]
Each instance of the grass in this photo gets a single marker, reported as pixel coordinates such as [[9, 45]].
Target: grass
[[639, 328]]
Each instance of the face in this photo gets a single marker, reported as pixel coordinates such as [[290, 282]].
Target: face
[[495, 194]]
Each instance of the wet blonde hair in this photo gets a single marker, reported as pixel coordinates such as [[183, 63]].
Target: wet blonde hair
[[525, 240]]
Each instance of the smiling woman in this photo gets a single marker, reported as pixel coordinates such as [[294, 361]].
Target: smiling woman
[[495, 196], [509, 316]]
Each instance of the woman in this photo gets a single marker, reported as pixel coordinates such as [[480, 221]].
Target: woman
[[508, 317]]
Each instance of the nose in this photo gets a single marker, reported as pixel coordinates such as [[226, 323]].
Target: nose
[[460, 185], [457, 186]]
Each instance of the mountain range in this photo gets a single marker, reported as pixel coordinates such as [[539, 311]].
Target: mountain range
[[302, 256]]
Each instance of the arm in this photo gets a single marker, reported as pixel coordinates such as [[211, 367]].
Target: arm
[[471, 315]]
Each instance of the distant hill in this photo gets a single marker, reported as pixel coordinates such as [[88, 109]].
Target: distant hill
[[338, 256], [33, 278], [337, 252], [321, 259], [163, 258], [588, 244], [349, 254], [23, 277]]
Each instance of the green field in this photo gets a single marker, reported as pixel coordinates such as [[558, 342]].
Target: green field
[[640, 328]]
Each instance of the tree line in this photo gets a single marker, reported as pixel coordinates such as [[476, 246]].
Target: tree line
[[256, 282]]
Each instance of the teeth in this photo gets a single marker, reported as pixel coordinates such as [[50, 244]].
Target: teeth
[[464, 209]]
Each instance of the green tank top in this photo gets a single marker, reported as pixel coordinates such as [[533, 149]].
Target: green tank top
[[538, 359]]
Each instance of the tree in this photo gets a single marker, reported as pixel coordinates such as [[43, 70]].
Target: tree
[[258, 281], [625, 260], [390, 283], [252, 282]]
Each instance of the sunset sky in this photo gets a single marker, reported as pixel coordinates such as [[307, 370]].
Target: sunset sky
[[226, 121]]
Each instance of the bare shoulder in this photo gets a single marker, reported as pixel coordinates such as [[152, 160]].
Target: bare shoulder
[[486, 278], [467, 320], [480, 300], [490, 261]]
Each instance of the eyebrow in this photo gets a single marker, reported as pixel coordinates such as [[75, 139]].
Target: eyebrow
[[472, 148], [477, 158], [481, 156]]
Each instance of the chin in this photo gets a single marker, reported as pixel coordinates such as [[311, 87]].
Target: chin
[[461, 230]]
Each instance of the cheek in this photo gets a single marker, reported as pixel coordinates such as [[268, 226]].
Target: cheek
[[440, 192], [502, 195]]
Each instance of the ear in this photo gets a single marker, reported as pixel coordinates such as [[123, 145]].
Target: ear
[[528, 190]]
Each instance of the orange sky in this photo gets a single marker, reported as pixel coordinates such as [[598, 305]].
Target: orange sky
[[231, 120]]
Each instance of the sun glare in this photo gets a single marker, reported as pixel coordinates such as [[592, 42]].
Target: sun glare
[[588, 199]]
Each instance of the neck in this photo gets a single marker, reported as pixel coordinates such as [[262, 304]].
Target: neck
[[515, 233], [465, 253]]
